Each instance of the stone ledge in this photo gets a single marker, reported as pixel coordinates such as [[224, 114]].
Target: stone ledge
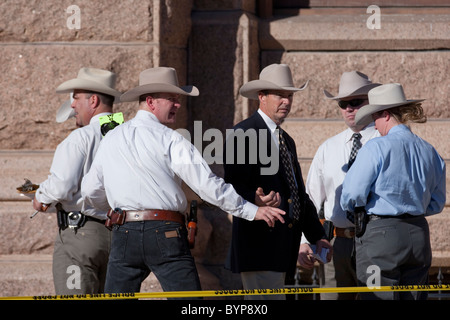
[[441, 259], [347, 30], [122, 20]]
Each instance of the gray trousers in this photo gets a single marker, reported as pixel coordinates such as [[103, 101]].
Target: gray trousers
[[401, 249], [80, 259]]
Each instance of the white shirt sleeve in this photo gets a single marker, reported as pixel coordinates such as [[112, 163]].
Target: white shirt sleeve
[[65, 173], [189, 165]]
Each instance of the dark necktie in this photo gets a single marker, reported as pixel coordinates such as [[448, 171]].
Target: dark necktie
[[356, 146], [286, 160]]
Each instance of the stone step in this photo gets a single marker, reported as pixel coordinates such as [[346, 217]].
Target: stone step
[[23, 275]]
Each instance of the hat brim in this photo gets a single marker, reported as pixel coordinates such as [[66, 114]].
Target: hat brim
[[364, 115], [65, 112], [135, 93], [250, 89], [85, 84], [364, 90]]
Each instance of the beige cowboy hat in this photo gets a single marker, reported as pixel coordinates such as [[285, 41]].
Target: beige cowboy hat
[[159, 79], [272, 77], [353, 83], [65, 111], [92, 79], [381, 98]]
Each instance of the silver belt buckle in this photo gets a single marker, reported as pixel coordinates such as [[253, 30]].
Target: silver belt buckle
[[136, 216]]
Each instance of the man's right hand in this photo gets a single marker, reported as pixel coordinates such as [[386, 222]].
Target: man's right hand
[[270, 215], [304, 256]]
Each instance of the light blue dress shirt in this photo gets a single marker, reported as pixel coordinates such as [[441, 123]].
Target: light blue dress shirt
[[396, 174]]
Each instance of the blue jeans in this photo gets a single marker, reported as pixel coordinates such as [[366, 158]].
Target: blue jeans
[[161, 247]]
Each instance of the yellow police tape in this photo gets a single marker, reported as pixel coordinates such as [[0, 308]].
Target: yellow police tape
[[223, 293]]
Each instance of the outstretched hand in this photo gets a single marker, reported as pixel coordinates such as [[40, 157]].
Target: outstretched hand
[[273, 199], [270, 215]]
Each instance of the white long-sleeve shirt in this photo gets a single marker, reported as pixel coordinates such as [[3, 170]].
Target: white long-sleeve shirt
[[141, 165], [328, 170], [72, 160]]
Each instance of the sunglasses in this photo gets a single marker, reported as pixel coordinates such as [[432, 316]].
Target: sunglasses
[[352, 103]]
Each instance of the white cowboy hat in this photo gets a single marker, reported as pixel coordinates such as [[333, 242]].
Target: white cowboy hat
[[159, 79], [353, 83], [272, 77], [381, 98], [92, 79], [65, 111]]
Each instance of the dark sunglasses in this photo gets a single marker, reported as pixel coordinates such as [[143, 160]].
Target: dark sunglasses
[[352, 103]]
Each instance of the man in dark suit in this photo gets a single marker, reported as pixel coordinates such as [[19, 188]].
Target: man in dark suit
[[266, 257]]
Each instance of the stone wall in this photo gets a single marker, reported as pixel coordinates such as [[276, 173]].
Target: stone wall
[[39, 51]]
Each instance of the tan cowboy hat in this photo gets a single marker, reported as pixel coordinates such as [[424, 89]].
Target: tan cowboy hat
[[92, 79], [66, 111], [272, 77], [353, 83], [381, 98], [160, 79]]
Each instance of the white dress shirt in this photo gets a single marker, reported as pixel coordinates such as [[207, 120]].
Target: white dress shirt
[[141, 165], [272, 127], [328, 170], [72, 159]]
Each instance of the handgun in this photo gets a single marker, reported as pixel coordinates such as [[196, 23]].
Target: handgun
[[192, 224]]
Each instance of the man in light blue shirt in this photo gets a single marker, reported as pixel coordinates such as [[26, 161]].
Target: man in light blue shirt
[[398, 179]]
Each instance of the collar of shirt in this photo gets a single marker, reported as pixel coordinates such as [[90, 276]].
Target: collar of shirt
[[366, 134], [144, 114], [398, 129], [96, 118], [270, 124]]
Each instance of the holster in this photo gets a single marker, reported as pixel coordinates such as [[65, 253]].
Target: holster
[[114, 217], [192, 224], [328, 226], [61, 217], [73, 219], [360, 221]]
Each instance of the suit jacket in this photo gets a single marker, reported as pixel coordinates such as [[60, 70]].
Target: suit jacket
[[254, 245]]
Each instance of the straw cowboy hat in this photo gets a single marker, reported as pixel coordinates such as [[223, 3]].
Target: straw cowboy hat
[[381, 98], [160, 79], [272, 77], [353, 83], [66, 111], [92, 79]]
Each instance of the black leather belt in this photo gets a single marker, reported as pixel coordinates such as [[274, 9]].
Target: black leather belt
[[373, 217], [89, 218]]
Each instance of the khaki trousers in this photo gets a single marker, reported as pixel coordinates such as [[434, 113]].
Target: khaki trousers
[[80, 259]]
